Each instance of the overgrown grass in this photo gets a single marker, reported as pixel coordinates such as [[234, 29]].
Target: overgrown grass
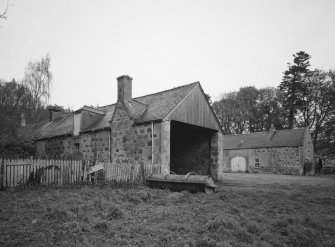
[[278, 214]]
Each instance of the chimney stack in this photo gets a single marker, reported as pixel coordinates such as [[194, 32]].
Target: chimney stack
[[52, 112], [124, 87]]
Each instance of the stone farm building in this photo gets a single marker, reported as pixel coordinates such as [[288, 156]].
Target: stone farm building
[[176, 128], [275, 151]]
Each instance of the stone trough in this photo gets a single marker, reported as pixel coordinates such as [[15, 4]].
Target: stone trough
[[190, 182]]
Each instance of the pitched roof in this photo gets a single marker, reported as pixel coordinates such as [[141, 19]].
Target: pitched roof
[[146, 108], [280, 138], [103, 122], [136, 108], [47, 129], [160, 104]]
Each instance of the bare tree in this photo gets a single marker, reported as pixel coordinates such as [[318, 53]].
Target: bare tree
[[3, 14], [38, 79]]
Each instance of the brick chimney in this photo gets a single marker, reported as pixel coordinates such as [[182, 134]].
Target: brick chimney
[[124, 87]]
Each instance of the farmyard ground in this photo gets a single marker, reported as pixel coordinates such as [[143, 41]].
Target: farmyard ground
[[248, 210]]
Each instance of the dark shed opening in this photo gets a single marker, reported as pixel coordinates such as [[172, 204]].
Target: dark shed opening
[[190, 149]]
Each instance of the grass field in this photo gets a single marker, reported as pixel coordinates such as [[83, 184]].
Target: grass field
[[248, 210]]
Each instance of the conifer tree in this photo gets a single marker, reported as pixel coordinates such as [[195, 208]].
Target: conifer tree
[[293, 85]]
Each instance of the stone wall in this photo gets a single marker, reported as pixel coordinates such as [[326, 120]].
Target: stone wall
[[55, 148], [95, 145], [281, 160], [165, 146], [132, 144], [307, 152], [220, 164], [214, 155]]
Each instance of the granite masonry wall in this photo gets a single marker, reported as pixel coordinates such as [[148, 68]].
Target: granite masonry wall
[[134, 144], [55, 148], [95, 145], [307, 152], [281, 160]]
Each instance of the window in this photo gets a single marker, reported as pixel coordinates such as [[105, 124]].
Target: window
[[76, 147], [257, 162]]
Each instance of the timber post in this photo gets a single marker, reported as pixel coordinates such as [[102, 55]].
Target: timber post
[[2, 174], [142, 172]]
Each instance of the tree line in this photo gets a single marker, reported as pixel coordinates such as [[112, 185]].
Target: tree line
[[23, 102], [303, 98]]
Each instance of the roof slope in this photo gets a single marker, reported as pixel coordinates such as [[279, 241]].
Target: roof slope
[[46, 129], [159, 105], [103, 123], [146, 108], [280, 138], [136, 108]]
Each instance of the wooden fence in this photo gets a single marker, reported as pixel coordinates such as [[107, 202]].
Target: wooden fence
[[20, 172]]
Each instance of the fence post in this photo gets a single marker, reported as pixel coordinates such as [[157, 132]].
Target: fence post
[[2, 174], [142, 172]]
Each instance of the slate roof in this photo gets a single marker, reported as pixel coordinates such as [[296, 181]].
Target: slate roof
[[103, 123], [47, 129], [152, 107], [136, 108], [162, 103], [280, 138]]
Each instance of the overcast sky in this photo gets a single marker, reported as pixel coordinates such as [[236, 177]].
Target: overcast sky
[[163, 44]]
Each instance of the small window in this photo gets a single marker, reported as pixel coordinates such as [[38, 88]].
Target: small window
[[257, 162], [76, 147]]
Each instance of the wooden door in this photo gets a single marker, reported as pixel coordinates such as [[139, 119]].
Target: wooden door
[[238, 164]]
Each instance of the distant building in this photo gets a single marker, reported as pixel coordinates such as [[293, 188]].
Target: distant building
[[275, 151], [176, 128]]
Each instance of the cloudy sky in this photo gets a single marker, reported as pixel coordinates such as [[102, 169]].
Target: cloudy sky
[[163, 44]]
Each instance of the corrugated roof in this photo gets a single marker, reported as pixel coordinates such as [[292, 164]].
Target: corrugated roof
[[146, 108], [280, 138]]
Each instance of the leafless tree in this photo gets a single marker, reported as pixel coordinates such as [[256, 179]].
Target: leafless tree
[[3, 14], [38, 79]]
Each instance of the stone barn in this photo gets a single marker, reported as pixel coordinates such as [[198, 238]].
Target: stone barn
[[275, 151], [176, 128]]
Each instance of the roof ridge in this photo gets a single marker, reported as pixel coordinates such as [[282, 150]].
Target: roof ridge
[[175, 88], [262, 132], [107, 105]]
